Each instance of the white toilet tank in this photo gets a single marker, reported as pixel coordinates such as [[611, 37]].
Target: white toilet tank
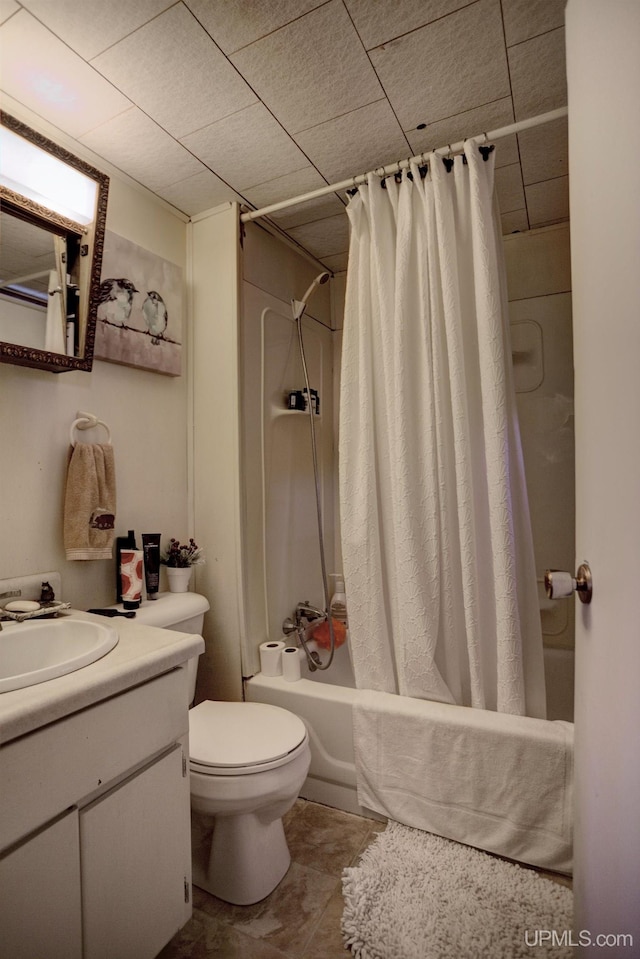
[[183, 612]]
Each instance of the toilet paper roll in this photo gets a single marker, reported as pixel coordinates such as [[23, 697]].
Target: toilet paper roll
[[291, 664], [271, 658], [562, 584]]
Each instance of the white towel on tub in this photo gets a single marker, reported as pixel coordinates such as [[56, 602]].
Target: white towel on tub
[[500, 782]]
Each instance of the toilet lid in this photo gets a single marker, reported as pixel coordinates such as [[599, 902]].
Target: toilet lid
[[242, 734]]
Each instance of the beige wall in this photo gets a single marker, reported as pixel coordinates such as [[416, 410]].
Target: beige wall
[[147, 415], [214, 283]]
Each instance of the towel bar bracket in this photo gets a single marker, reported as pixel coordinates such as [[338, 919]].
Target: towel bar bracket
[[87, 421]]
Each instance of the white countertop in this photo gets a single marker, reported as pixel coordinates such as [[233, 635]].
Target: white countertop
[[142, 652]]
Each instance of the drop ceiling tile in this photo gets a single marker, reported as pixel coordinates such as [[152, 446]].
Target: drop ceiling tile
[[283, 187], [548, 202], [544, 151], [90, 26], [378, 21], [471, 123], [7, 8], [337, 262], [524, 19], [323, 237], [448, 67], [246, 148], [311, 70], [508, 181], [538, 74], [198, 193], [318, 209], [355, 142], [514, 222], [174, 72], [235, 23], [291, 185], [41, 72], [142, 149]]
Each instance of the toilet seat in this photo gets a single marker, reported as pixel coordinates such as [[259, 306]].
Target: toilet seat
[[231, 739]]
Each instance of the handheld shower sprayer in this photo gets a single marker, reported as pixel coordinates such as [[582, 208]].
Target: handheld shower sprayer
[[299, 306]]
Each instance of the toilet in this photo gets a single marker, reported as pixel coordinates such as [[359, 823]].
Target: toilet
[[248, 762]]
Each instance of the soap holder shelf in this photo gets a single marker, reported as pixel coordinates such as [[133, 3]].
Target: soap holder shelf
[[48, 609]]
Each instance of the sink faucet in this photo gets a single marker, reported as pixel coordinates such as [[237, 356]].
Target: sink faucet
[[7, 595]]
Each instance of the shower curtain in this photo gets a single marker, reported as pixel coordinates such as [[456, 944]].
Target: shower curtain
[[437, 549]]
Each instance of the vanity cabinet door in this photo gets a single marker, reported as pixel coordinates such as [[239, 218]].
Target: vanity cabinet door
[[40, 895], [136, 862]]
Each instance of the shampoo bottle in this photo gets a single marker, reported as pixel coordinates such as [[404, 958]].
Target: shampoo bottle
[[338, 604], [122, 542]]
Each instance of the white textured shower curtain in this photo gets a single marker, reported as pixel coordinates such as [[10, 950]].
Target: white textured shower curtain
[[437, 550]]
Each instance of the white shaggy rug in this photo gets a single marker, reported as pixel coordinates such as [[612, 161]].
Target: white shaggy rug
[[418, 896]]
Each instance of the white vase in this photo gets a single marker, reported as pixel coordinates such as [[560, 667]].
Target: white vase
[[178, 578]]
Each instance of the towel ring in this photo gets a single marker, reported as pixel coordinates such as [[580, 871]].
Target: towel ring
[[87, 421]]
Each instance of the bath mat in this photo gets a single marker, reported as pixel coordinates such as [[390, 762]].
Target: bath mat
[[418, 896]]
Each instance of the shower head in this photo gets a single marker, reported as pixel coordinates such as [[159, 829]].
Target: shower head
[[299, 306]]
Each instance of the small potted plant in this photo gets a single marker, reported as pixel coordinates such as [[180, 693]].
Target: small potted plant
[[179, 558]]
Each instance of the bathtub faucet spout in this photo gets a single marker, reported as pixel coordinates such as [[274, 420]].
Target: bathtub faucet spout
[[306, 614]]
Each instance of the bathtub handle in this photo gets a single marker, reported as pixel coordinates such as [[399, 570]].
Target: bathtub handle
[[559, 584]]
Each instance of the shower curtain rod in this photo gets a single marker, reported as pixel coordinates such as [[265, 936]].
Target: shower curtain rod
[[404, 164]]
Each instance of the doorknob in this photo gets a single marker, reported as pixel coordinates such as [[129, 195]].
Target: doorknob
[[560, 585]]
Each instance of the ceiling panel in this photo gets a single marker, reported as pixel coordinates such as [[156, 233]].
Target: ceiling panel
[[206, 101], [198, 193], [295, 184], [323, 237], [90, 26], [378, 21], [344, 146], [234, 24], [544, 152], [491, 116], [548, 201], [454, 64], [175, 73], [7, 9], [229, 147], [538, 74], [529, 18], [508, 181], [46, 76], [312, 70], [142, 149]]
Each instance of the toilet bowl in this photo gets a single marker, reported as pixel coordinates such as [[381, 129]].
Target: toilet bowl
[[248, 762]]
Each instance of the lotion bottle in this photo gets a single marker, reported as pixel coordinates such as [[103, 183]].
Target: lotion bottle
[[338, 604]]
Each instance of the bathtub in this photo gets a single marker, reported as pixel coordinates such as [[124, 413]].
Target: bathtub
[[324, 701]]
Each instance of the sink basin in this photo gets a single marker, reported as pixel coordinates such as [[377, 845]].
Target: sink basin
[[31, 653]]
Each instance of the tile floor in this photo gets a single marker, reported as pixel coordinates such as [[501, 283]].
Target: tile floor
[[301, 917]]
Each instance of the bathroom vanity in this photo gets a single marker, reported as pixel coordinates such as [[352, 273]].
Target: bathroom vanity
[[95, 856]]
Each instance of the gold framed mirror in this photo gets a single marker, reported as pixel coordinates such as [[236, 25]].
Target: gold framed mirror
[[53, 208]]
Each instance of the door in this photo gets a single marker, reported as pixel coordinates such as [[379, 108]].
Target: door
[[603, 68]]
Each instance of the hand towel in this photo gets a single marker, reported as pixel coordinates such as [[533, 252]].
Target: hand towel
[[90, 502], [500, 782]]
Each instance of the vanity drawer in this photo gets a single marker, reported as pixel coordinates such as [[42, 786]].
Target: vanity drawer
[[57, 766]]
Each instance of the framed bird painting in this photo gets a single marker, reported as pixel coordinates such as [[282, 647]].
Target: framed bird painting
[[140, 310]]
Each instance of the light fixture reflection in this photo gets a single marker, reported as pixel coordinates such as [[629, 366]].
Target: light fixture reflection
[[30, 171]]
